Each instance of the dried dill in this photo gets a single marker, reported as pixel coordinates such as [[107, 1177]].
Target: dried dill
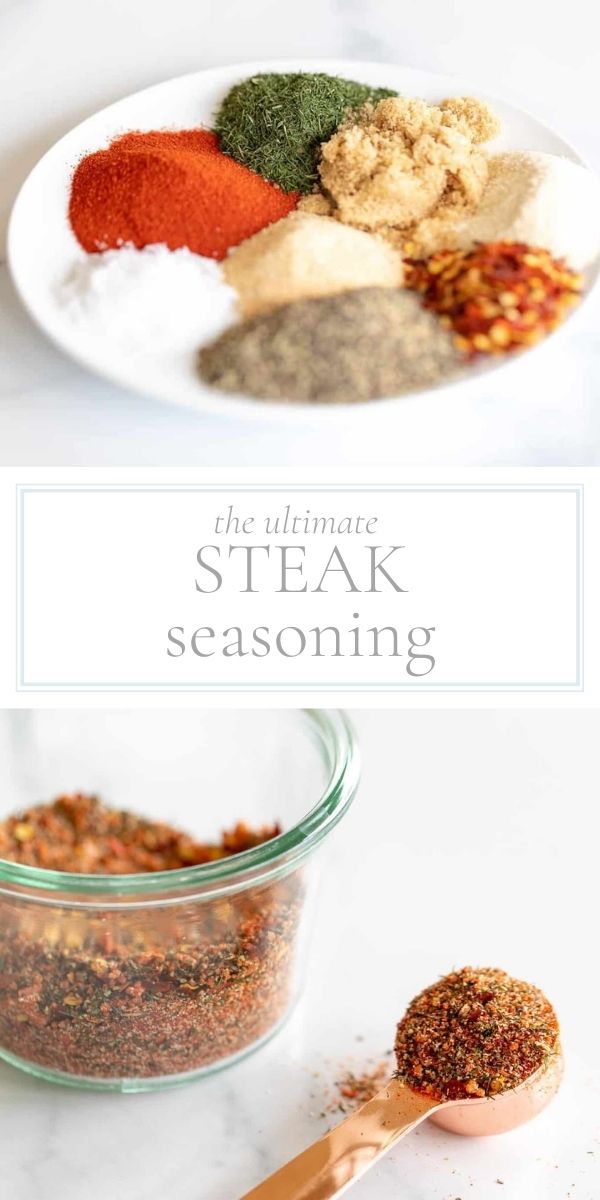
[[275, 123]]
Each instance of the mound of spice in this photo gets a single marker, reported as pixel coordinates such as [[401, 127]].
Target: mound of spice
[[306, 255], [402, 166], [499, 297], [132, 992], [148, 303], [536, 198], [274, 123], [78, 833], [174, 187], [475, 1033], [358, 345]]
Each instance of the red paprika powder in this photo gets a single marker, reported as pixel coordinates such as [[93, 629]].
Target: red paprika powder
[[175, 187]]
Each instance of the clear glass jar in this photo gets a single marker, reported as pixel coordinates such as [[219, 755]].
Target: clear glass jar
[[134, 982]]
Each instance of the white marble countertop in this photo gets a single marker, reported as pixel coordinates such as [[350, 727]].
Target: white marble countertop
[[64, 59], [398, 908]]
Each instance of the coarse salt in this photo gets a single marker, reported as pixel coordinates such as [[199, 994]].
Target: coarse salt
[[149, 302]]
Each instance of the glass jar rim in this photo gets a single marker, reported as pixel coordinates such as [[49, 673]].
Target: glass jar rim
[[337, 742]]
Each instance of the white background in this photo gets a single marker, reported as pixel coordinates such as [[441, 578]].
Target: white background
[[63, 59], [473, 840], [511, 876], [494, 573]]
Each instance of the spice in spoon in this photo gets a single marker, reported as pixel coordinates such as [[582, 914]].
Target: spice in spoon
[[444, 1032], [475, 1033]]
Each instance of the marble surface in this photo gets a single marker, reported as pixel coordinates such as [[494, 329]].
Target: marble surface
[[64, 59], [509, 877]]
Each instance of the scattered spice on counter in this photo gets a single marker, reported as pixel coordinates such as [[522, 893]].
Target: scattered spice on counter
[[476, 1032], [150, 303], [274, 123], [128, 993], [352, 1089], [175, 187], [537, 198], [305, 255], [78, 833], [499, 297], [358, 345], [401, 164]]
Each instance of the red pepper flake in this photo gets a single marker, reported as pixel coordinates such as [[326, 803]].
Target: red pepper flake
[[499, 297]]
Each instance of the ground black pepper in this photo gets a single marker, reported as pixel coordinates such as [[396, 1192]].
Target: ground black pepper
[[358, 345]]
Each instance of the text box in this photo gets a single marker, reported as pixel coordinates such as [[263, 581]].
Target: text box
[[457, 587]]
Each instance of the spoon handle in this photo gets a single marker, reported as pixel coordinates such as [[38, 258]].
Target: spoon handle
[[332, 1164]]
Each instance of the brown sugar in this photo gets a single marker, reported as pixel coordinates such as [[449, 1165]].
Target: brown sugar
[[405, 168]]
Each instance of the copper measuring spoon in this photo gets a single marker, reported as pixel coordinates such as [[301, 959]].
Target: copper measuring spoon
[[337, 1160]]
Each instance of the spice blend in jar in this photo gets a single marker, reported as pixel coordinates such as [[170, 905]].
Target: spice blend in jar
[[78, 833], [477, 1032], [135, 991]]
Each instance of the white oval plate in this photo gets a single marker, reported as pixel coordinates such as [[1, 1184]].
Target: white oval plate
[[42, 247]]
